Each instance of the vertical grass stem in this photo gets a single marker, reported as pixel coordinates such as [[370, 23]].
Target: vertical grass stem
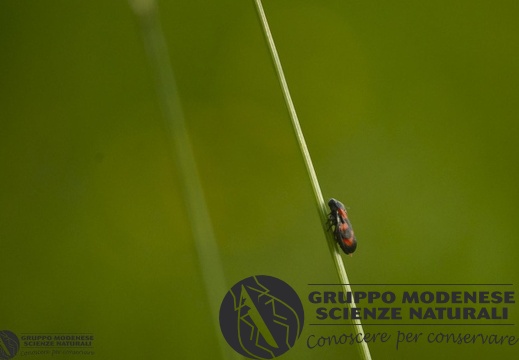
[[198, 214], [323, 211]]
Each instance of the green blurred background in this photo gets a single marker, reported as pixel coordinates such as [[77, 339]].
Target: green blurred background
[[410, 114]]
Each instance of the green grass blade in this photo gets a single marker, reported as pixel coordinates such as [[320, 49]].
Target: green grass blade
[[323, 211], [198, 214]]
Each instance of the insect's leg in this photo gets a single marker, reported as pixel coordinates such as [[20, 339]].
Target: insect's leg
[[330, 221]]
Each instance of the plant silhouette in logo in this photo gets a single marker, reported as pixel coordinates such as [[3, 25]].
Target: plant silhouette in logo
[[261, 317], [9, 344]]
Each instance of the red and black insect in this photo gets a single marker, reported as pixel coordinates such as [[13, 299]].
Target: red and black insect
[[342, 230]]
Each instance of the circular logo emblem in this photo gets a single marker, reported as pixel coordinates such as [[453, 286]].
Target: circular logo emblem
[[9, 344], [261, 317]]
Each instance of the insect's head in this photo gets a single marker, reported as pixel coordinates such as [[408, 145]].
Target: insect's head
[[335, 204]]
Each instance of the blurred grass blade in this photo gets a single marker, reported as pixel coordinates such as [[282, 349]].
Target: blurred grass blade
[[323, 211], [205, 242]]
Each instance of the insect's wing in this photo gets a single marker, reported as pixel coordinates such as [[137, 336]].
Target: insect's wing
[[345, 229], [349, 249]]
